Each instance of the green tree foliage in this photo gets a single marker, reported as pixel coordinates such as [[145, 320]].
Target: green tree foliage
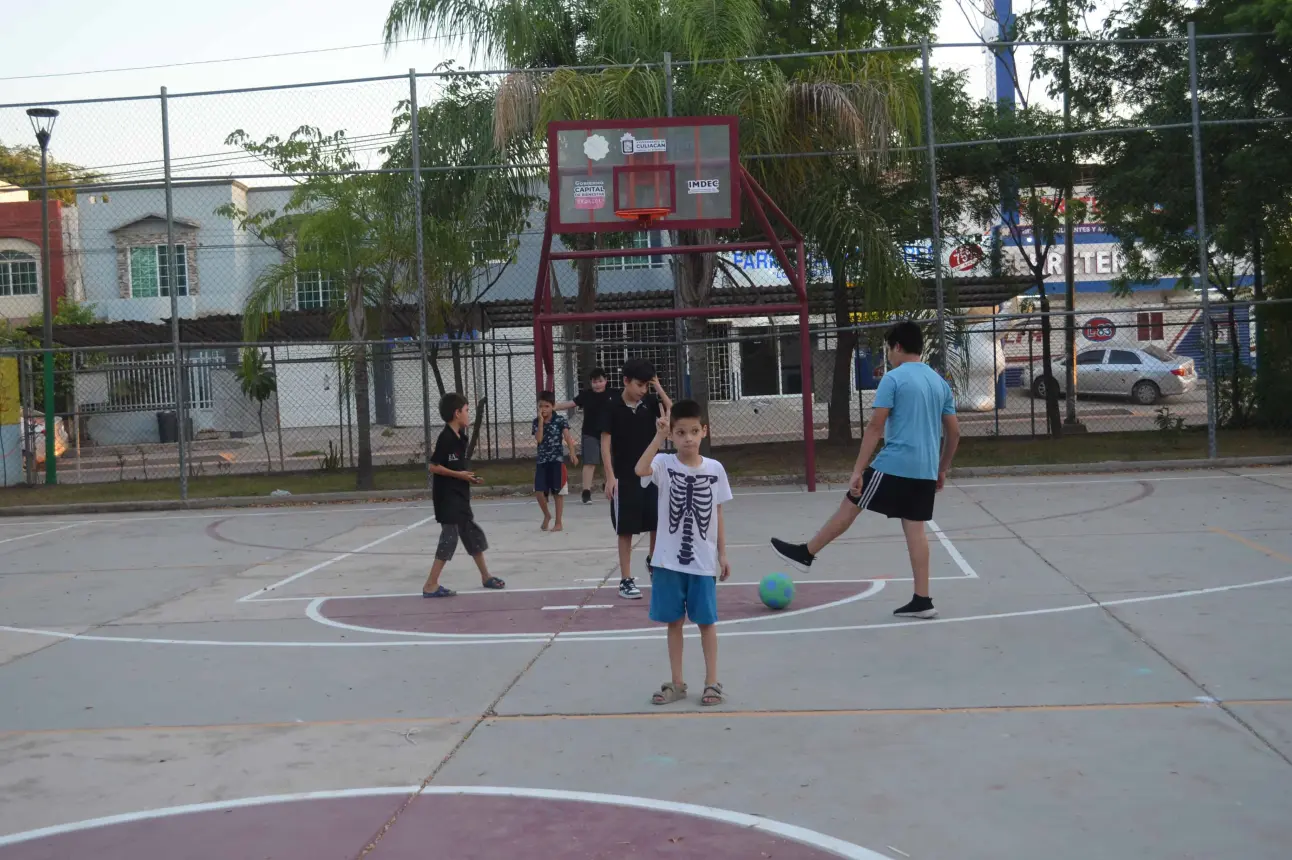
[[20, 165], [1146, 188], [258, 384], [345, 228], [68, 312], [471, 218]]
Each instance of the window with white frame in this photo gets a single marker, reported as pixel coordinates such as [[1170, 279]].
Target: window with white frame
[[150, 271], [314, 291], [18, 274], [652, 239]]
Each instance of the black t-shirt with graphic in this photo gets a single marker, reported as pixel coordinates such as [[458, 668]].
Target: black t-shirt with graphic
[[451, 497], [594, 405]]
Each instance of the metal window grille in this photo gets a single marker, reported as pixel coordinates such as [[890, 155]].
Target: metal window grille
[[18, 274], [147, 382]]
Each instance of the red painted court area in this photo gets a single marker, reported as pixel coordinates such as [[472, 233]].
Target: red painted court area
[[432, 826], [544, 612]]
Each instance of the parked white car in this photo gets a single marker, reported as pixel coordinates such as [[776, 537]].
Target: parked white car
[[1144, 374]]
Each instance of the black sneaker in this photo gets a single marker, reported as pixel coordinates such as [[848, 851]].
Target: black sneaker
[[628, 589], [795, 553], [587, 497], [919, 607]]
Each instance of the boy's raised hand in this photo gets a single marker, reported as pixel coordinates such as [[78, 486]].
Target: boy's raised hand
[[662, 424]]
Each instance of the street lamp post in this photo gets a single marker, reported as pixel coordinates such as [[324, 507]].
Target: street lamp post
[[42, 121]]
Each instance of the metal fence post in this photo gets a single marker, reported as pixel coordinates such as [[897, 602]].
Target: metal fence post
[[933, 204], [415, 131], [172, 279], [1209, 352]]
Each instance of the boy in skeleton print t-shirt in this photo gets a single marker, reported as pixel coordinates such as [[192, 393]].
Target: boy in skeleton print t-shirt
[[690, 545]]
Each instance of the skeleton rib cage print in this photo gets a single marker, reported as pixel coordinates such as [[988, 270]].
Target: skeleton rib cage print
[[690, 507]]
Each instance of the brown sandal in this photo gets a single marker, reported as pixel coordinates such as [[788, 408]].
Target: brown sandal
[[712, 695], [668, 694]]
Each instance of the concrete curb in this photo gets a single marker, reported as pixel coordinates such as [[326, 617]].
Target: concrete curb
[[524, 490]]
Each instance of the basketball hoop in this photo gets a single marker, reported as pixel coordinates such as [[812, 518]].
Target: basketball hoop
[[644, 217]]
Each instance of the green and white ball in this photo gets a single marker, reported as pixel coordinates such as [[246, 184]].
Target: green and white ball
[[776, 590]]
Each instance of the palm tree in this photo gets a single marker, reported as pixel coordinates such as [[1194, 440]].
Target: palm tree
[[341, 227], [258, 383], [470, 217], [827, 104]]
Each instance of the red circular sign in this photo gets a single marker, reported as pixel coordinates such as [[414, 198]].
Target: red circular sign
[[965, 257], [1099, 329]]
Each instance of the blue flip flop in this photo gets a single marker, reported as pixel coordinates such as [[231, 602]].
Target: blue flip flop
[[440, 592]]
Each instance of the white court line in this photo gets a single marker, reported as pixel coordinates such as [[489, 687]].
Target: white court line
[[608, 585], [570, 606], [314, 613], [959, 559], [891, 625], [333, 560], [791, 832], [38, 534]]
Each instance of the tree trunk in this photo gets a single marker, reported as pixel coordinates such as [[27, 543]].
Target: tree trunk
[[269, 460], [840, 414], [357, 317], [434, 359], [693, 274], [366, 478], [455, 350], [1052, 419], [585, 303]]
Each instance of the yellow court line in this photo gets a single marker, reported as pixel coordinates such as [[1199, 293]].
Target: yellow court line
[[885, 712], [1251, 544], [658, 715]]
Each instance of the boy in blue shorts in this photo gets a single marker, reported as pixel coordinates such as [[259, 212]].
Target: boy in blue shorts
[[550, 429], [690, 554], [915, 414]]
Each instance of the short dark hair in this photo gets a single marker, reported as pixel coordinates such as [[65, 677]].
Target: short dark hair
[[685, 409], [597, 373], [547, 397], [450, 404], [639, 369], [906, 335]]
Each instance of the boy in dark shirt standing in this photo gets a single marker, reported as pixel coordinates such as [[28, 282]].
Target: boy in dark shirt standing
[[593, 400], [628, 429], [451, 496]]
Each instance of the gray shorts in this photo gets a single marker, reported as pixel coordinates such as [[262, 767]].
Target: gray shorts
[[471, 535], [590, 453]]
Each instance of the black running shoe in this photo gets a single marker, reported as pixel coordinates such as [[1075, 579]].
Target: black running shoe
[[795, 553], [919, 607], [587, 497], [628, 589]]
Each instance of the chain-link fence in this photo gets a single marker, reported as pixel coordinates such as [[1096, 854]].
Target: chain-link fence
[[287, 279]]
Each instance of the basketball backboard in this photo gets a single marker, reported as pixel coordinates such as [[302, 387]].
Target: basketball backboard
[[674, 173]]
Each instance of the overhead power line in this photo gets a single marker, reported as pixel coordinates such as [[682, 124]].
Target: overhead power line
[[224, 60]]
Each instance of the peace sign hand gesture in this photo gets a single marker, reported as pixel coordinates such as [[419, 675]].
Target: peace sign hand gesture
[[662, 425]]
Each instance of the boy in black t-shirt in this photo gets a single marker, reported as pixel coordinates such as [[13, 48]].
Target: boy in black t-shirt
[[451, 495], [627, 430], [593, 400]]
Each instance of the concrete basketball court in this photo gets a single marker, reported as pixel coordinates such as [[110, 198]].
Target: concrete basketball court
[[1110, 677]]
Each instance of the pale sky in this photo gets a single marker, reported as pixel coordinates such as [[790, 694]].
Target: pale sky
[[54, 38]]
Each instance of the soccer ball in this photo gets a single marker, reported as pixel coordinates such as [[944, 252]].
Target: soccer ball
[[776, 590]]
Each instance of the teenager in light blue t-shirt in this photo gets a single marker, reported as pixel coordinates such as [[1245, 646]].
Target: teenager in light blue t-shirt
[[915, 414]]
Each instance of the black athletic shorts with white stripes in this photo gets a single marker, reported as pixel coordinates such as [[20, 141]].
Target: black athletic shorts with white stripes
[[895, 496]]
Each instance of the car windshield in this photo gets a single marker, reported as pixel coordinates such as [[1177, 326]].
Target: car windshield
[[1160, 354]]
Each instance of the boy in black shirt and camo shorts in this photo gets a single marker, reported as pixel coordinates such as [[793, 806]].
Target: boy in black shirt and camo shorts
[[451, 496]]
